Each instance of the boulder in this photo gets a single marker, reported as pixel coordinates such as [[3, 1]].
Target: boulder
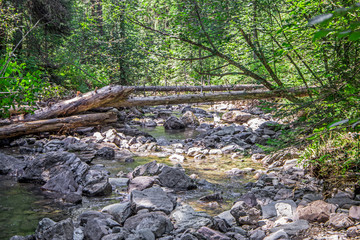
[[105, 153], [257, 235], [174, 123], [140, 183], [279, 208], [62, 230], [189, 119], [317, 211], [353, 231], [153, 199], [149, 169], [120, 211], [175, 178], [245, 214], [157, 222], [10, 165], [281, 235], [236, 116], [185, 217]]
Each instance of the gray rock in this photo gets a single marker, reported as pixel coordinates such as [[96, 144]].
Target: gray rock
[[283, 194], [62, 230], [10, 165], [293, 228], [185, 236], [269, 210], [120, 211], [185, 217], [114, 236], [175, 178], [96, 184], [245, 214], [105, 153], [96, 228], [228, 218], [174, 123], [17, 237], [157, 222], [190, 120], [149, 169], [146, 233], [211, 234], [140, 183], [119, 182], [257, 235], [153, 199], [343, 202], [236, 116], [340, 221], [281, 234]]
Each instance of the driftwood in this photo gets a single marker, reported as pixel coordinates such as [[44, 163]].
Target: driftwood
[[196, 88], [56, 124], [210, 97], [94, 99]]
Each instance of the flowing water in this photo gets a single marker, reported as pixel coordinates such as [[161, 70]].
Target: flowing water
[[23, 205]]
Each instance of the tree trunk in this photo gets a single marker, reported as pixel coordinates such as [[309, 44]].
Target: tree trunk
[[99, 98], [210, 97], [196, 88], [56, 124]]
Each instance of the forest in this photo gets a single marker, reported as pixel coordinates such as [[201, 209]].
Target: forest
[[300, 60]]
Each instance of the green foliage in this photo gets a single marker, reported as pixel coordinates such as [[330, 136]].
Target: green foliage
[[19, 86]]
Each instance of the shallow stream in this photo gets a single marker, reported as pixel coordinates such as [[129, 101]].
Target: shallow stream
[[23, 205]]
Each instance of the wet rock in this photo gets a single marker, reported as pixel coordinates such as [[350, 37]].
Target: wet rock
[[293, 228], [354, 213], [105, 153], [150, 123], [153, 199], [175, 178], [10, 165], [174, 123], [236, 116], [157, 222], [120, 211], [190, 120], [257, 235], [211, 234], [140, 183], [185, 217], [340, 221], [281, 234], [318, 211], [63, 230], [353, 231]]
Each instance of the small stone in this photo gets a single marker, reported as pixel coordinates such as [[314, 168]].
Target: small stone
[[211, 234], [281, 234], [318, 211], [353, 231], [354, 212]]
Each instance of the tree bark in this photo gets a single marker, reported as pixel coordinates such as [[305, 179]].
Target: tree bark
[[211, 97], [56, 124], [99, 98], [196, 88]]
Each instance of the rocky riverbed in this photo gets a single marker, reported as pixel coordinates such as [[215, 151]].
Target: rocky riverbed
[[265, 196]]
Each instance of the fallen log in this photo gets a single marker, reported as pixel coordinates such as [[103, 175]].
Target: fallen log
[[81, 103], [56, 124], [196, 88], [210, 97]]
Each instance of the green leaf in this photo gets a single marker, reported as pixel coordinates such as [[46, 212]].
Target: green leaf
[[338, 123], [322, 33], [320, 19], [354, 36]]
